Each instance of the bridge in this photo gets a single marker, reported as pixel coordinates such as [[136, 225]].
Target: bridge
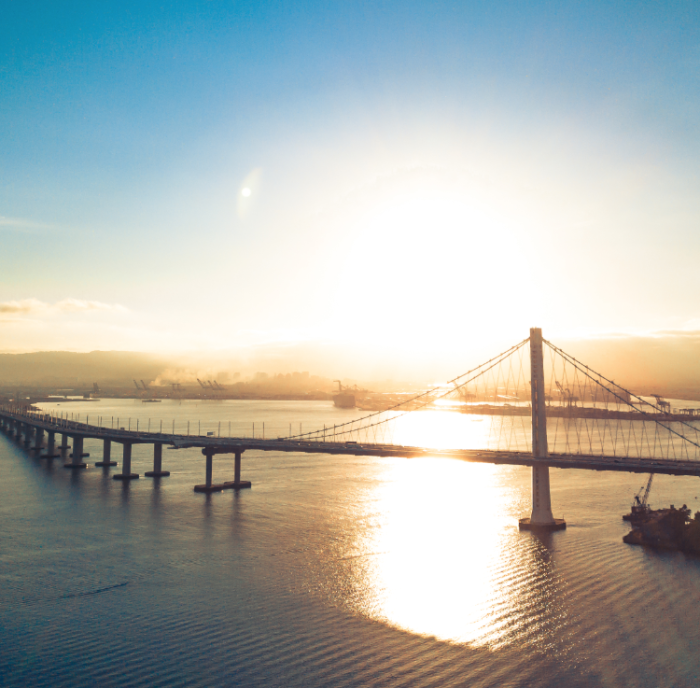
[[546, 412]]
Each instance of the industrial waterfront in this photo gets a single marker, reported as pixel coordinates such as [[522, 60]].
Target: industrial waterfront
[[333, 570]]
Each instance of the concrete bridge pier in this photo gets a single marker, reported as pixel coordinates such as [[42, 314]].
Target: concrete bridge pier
[[541, 517], [18, 430], [81, 452], [126, 473], [50, 446], [27, 434], [157, 471], [39, 439], [64, 446], [237, 483], [208, 487], [106, 455], [77, 454]]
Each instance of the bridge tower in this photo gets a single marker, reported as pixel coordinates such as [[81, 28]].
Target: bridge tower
[[541, 518]]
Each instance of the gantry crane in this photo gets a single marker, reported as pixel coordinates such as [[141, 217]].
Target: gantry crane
[[566, 394], [664, 405]]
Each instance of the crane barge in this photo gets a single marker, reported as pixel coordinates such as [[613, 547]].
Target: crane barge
[[641, 510]]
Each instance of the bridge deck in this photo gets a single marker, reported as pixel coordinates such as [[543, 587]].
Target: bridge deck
[[221, 445]]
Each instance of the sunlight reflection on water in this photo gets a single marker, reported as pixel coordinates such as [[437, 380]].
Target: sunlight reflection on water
[[414, 573], [450, 430]]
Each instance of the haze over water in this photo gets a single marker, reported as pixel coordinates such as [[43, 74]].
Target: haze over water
[[332, 571]]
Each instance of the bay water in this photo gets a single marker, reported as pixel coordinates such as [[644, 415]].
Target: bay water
[[331, 570]]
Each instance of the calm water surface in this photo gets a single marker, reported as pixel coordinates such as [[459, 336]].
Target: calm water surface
[[331, 571]]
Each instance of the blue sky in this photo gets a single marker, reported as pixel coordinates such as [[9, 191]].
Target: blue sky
[[516, 163]]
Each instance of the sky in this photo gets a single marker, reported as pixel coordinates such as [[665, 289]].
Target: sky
[[386, 181]]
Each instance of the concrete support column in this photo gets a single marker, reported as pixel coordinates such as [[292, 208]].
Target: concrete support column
[[77, 454], [210, 466], [27, 434], [237, 468], [208, 486], [126, 457], [50, 446], [106, 455], [541, 497], [126, 473], [541, 516], [237, 483], [157, 471], [39, 437], [64, 446]]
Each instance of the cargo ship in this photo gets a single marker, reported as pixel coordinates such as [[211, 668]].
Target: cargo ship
[[343, 399]]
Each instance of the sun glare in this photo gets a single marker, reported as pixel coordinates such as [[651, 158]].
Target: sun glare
[[412, 264], [437, 550], [249, 191]]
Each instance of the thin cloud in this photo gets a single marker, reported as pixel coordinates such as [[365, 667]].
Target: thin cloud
[[77, 305], [24, 307], [21, 224], [34, 307]]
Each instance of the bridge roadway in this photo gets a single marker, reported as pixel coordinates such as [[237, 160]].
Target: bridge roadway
[[237, 445]]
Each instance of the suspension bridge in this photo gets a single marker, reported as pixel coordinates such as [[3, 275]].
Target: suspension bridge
[[543, 408]]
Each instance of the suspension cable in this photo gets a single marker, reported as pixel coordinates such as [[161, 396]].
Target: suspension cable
[[493, 361], [580, 366]]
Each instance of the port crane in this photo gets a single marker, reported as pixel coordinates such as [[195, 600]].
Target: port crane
[[566, 394], [207, 386], [662, 403]]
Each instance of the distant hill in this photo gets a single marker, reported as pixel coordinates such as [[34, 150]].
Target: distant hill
[[56, 368], [667, 364]]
